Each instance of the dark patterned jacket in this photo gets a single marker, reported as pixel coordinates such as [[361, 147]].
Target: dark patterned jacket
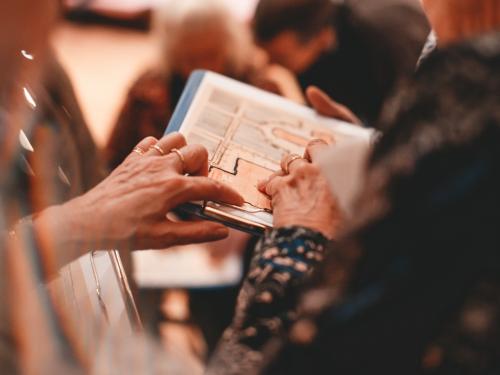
[[413, 287]]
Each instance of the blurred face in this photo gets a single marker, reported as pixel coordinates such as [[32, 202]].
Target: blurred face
[[207, 51], [289, 50]]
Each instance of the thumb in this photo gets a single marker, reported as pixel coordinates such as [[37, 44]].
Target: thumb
[[326, 106], [184, 233]]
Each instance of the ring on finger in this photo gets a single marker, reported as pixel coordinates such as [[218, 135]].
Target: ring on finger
[[139, 151], [181, 157], [285, 165], [158, 149], [318, 141]]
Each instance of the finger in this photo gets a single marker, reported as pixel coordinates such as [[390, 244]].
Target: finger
[[205, 189], [183, 233], [321, 102], [274, 185], [166, 144], [314, 149], [288, 161], [326, 106], [261, 185], [142, 147], [194, 160], [297, 164]]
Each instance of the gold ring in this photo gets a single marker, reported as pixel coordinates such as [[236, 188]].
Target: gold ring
[[285, 164], [139, 151], [159, 149], [318, 141], [181, 157]]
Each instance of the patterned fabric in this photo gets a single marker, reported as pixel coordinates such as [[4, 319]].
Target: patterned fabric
[[423, 296], [283, 261], [470, 342]]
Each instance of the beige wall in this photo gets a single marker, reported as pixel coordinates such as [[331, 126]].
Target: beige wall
[[102, 63]]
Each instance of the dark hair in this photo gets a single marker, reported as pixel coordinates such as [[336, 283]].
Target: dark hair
[[305, 17]]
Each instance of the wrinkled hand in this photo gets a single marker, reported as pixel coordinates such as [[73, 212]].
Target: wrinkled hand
[[303, 197], [326, 106], [128, 210]]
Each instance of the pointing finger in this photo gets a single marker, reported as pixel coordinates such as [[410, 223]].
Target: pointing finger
[[314, 149], [205, 189]]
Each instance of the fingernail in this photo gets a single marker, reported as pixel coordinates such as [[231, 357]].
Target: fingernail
[[221, 232]]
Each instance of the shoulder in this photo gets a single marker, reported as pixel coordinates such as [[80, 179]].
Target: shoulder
[[155, 75], [473, 329], [466, 72], [484, 51], [457, 89], [150, 85]]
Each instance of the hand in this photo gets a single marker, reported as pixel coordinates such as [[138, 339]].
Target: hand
[[326, 106], [303, 197], [280, 81], [128, 210]]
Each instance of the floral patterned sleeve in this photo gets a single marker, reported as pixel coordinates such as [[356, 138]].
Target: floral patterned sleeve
[[283, 259]]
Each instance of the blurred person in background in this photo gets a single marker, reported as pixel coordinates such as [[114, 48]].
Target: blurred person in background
[[357, 52], [194, 35]]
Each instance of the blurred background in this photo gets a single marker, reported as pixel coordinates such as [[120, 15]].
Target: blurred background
[[105, 44]]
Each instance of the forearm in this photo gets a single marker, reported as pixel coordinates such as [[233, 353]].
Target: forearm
[[54, 236], [266, 305]]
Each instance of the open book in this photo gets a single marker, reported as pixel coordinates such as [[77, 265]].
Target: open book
[[247, 131]]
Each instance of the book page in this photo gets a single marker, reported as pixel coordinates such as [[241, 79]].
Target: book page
[[248, 131]]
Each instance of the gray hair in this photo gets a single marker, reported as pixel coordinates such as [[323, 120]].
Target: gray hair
[[179, 18]]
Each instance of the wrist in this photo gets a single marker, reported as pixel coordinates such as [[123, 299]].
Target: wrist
[[58, 232], [284, 258], [292, 241]]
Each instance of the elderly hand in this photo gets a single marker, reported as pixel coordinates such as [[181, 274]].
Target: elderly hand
[[301, 195], [128, 210], [326, 106]]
